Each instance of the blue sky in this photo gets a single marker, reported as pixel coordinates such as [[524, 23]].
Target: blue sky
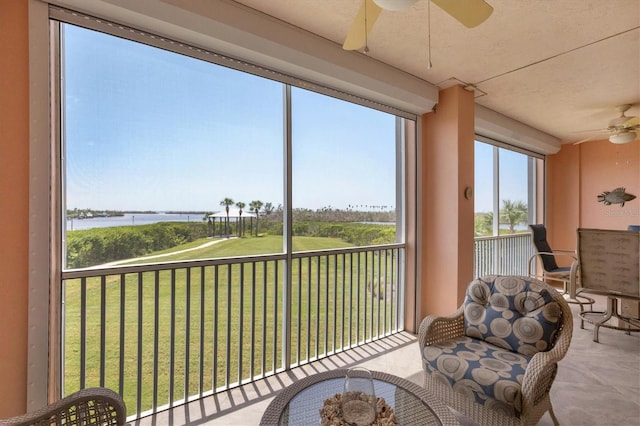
[[148, 129], [512, 181]]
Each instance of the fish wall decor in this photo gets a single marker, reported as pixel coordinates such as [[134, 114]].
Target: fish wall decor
[[617, 196]]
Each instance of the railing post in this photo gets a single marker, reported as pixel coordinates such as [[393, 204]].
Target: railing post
[[287, 233]]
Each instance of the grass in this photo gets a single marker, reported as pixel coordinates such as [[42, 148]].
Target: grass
[[242, 247], [200, 328]]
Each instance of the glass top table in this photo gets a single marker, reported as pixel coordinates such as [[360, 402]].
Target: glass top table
[[300, 403]]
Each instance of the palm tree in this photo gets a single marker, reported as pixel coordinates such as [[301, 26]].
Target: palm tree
[[226, 203], [484, 223], [240, 205], [268, 209], [255, 207], [513, 213]]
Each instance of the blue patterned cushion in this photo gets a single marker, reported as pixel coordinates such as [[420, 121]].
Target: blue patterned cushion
[[490, 375], [514, 313]]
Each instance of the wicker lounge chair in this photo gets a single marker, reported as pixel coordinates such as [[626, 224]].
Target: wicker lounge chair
[[92, 406], [494, 360]]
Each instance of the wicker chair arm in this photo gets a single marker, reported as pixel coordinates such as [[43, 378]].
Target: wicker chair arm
[[543, 366], [434, 329], [538, 379], [96, 406]]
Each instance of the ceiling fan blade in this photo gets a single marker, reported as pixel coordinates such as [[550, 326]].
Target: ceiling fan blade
[[593, 130], [357, 36], [585, 140], [469, 13], [633, 121]]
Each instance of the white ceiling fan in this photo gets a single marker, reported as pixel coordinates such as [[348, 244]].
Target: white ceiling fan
[[622, 129], [469, 13]]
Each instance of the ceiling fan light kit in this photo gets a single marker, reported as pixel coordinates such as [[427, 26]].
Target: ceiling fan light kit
[[623, 137]]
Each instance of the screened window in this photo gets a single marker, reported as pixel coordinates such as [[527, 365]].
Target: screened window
[[344, 172], [199, 196], [170, 157], [505, 203], [505, 190]]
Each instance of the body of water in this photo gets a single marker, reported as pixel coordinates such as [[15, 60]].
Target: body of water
[[147, 218], [130, 219]]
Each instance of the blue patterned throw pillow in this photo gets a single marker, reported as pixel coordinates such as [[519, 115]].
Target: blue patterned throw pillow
[[514, 313]]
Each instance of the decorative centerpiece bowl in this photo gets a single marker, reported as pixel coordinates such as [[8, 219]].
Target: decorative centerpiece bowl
[[359, 397], [357, 405]]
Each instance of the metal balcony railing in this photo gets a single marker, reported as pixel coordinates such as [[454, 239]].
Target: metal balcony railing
[[164, 334], [503, 255]]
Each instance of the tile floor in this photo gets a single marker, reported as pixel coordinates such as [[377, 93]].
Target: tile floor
[[597, 383]]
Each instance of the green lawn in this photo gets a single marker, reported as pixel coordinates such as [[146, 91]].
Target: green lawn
[[242, 303], [242, 247]]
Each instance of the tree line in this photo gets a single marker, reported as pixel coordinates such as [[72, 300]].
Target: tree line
[[270, 216], [98, 246]]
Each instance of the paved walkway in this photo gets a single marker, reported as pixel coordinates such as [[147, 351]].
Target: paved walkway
[[156, 256]]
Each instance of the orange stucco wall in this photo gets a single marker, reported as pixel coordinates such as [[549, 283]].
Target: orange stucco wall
[[446, 216], [563, 197], [14, 204], [577, 174]]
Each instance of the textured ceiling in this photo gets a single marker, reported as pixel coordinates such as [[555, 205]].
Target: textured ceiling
[[560, 66]]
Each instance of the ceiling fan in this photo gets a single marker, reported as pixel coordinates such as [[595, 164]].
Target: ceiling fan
[[622, 129], [469, 13]]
